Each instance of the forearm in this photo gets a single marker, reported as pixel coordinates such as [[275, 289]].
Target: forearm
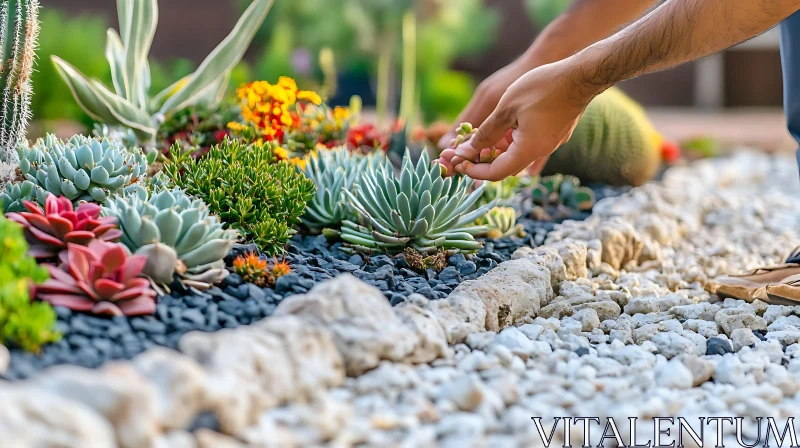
[[678, 31], [584, 23]]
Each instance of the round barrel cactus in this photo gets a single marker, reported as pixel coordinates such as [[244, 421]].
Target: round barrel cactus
[[176, 232], [82, 169]]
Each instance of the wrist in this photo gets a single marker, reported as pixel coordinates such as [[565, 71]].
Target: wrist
[[584, 76]]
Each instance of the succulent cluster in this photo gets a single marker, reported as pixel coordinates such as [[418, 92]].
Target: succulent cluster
[[334, 171], [245, 186], [421, 210], [82, 169], [564, 190], [255, 269], [102, 278], [129, 105], [23, 323], [49, 231], [176, 232], [502, 223]]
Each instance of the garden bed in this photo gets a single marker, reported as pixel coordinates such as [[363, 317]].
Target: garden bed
[[576, 327], [91, 341]]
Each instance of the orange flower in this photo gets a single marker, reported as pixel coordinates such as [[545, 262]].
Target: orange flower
[[252, 269]]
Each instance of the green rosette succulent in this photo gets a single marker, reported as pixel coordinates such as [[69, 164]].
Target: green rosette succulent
[[82, 169], [565, 190], [421, 210], [502, 223], [177, 233], [333, 172]]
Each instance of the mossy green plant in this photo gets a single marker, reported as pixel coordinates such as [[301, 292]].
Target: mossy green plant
[[23, 323], [247, 187]]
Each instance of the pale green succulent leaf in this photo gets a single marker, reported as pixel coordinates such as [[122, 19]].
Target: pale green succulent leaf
[[138, 40], [84, 93], [169, 225], [209, 252], [115, 54], [124, 111]]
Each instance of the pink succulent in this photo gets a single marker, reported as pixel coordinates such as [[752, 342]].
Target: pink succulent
[[49, 231], [101, 278]]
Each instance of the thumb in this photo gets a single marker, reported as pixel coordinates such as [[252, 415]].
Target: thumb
[[492, 130]]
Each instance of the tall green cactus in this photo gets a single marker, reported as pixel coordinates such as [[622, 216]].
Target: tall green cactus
[[19, 29]]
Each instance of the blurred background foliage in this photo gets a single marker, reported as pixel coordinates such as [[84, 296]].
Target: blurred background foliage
[[80, 40], [360, 32]]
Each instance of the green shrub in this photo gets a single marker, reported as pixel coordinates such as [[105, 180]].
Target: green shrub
[[247, 187], [23, 323]]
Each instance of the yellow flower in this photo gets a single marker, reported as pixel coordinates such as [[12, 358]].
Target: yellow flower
[[281, 153], [309, 96], [287, 83], [298, 162], [236, 126], [341, 114]]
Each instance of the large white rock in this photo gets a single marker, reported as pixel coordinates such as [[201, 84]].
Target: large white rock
[[117, 392], [262, 366], [460, 314], [548, 257], [180, 383], [621, 243], [512, 292], [32, 417], [573, 253], [359, 318], [432, 340]]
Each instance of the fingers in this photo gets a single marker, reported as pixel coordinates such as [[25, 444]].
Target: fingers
[[503, 166], [508, 163], [488, 134], [536, 168]]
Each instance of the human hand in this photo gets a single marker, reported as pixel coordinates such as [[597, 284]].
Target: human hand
[[486, 97], [535, 116]]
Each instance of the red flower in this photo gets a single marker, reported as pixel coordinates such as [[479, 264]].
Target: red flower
[[670, 151], [366, 134], [221, 134]]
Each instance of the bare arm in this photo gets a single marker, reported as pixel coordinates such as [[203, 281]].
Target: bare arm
[[676, 32], [544, 105], [584, 23]]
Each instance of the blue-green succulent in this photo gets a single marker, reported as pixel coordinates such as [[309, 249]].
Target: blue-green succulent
[[176, 232], [332, 172], [81, 168], [421, 210]]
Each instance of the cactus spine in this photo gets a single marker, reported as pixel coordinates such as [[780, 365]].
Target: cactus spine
[[19, 29]]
